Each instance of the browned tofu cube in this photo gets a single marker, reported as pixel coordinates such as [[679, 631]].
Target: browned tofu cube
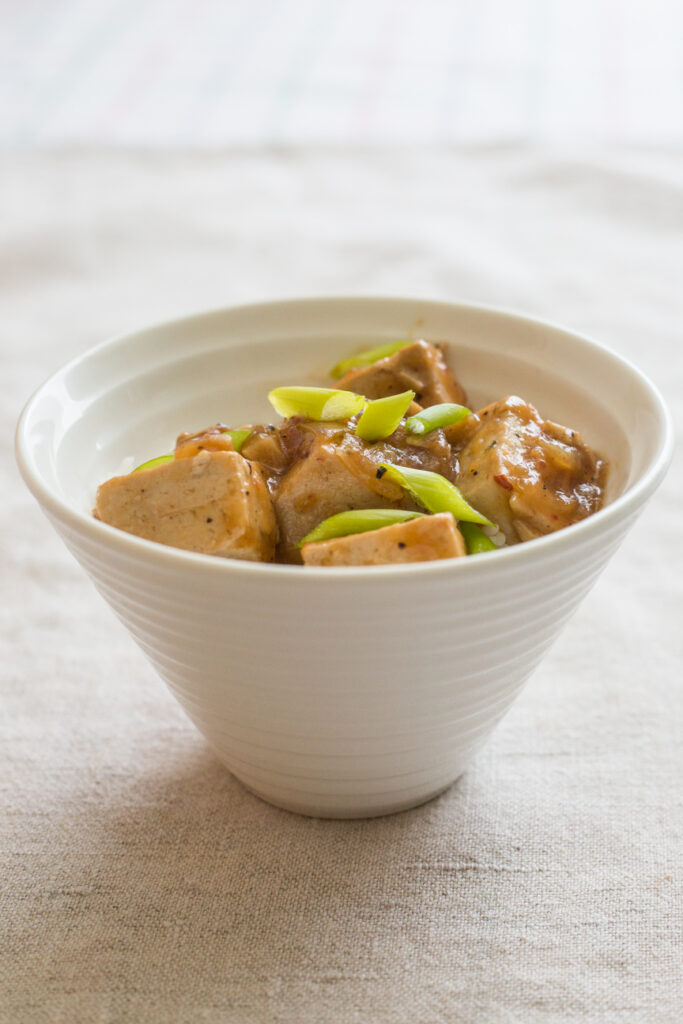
[[418, 540], [419, 367], [332, 477], [212, 439], [216, 503], [528, 475], [264, 445]]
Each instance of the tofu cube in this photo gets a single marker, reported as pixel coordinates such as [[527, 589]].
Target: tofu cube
[[419, 540], [419, 367], [528, 475], [331, 478], [216, 503]]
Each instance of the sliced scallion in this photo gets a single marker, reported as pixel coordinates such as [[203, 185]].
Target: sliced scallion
[[151, 463], [435, 416], [316, 403], [357, 521], [367, 358], [476, 541], [381, 416], [238, 437], [434, 492]]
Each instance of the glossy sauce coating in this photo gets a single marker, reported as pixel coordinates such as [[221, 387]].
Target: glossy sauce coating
[[529, 476]]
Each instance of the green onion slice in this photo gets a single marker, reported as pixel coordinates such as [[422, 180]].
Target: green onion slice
[[381, 416], [476, 541], [159, 461], [361, 521], [367, 358], [434, 492], [316, 403], [435, 416], [238, 437]]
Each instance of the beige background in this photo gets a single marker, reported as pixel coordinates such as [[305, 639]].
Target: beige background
[[140, 882]]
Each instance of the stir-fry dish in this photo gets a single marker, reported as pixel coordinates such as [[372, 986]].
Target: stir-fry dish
[[389, 466]]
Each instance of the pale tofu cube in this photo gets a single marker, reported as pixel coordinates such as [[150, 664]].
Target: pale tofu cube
[[331, 478], [419, 367], [216, 503], [419, 540], [528, 475]]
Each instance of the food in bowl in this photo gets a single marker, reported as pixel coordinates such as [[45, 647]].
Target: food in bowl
[[294, 492], [389, 467], [357, 691]]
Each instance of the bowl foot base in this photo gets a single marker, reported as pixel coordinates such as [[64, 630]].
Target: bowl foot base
[[347, 808]]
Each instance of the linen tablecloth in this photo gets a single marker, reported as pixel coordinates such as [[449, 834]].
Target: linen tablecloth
[[140, 882]]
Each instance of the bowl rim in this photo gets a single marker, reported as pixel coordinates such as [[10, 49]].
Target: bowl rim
[[152, 553]]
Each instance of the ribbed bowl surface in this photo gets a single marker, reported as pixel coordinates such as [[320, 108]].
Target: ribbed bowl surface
[[335, 692]]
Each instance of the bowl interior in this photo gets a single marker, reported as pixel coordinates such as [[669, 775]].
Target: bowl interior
[[127, 400]]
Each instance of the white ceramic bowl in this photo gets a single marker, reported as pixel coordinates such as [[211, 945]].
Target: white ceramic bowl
[[335, 692]]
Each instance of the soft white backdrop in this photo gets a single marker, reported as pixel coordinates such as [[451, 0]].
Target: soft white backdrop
[[225, 72]]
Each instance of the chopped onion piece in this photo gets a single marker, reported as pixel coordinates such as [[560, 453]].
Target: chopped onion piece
[[381, 416], [476, 540], [434, 492], [238, 437], [316, 403], [151, 463], [357, 521], [435, 416], [367, 358]]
